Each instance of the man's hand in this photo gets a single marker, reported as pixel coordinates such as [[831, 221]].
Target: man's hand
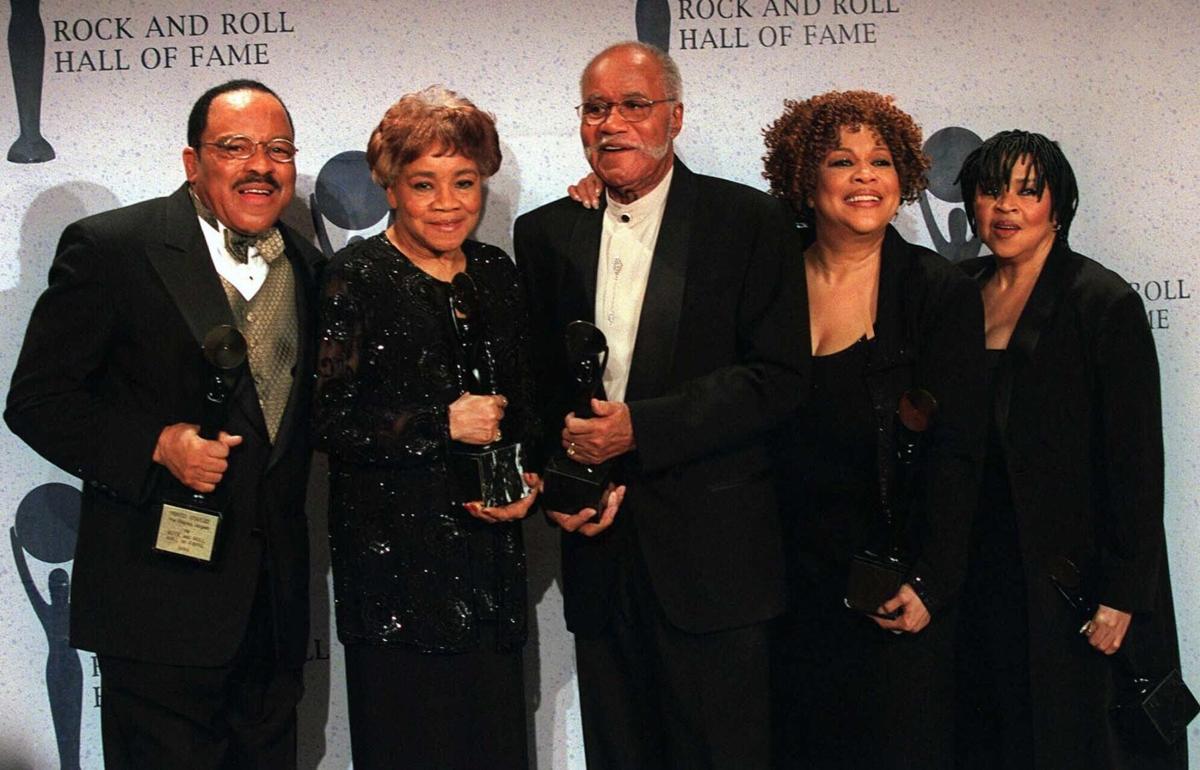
[[197, 463], [600, 438], [582, 522], [1106, 630], [913, 614]]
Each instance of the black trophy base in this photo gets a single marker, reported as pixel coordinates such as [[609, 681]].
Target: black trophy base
[[1157, 713], [491, 474], [873, 580], [569, 487]]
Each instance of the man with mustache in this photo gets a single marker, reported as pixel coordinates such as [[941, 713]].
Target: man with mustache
[[196, 608], [669, 591]]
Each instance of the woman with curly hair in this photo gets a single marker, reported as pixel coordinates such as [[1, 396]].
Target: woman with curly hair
[[872, 497]]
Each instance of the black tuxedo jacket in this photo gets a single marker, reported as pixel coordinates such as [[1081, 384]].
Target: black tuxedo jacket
[[1079, 417], [719, 359], [112, 355]]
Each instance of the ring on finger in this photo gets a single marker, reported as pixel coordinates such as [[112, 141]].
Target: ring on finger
[[571, 449], [1088, 628], [497, 438]]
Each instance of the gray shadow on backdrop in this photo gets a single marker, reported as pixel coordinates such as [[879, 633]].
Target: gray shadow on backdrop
[[48, 214]]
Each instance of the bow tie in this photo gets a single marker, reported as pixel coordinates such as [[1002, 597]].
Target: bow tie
[[268, 243]]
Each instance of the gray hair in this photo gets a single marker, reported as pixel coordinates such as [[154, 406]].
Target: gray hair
[[670, 71]]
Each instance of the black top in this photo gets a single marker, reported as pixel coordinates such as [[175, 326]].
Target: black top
[[928, 334], [834, 469], [410, 566]]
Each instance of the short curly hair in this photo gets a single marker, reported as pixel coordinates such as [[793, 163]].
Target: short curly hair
[[434, 119], [798, 141]]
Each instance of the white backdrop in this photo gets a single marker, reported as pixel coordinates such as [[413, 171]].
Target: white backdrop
[[1114, 81]]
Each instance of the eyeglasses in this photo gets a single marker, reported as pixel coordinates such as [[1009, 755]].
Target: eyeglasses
[[632, 110], [242, 147]]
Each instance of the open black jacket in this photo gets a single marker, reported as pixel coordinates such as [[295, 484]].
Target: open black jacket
[[928, 334], [113, 355], [1080, 419], [715, 365]]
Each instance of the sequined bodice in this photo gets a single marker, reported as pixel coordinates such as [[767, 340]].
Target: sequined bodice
[[409, 567]]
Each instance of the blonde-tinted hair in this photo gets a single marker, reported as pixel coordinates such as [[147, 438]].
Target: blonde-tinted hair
[[435, 119]]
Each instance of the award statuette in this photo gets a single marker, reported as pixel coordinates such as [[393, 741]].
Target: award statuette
[[189, 521], [1153, 710], [489, 473], [568, 485], [877, 572]]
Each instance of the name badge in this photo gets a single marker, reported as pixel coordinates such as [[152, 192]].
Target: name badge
[[187, 532]]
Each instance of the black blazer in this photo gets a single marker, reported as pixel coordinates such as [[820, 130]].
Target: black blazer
[[929, 335], [1080, 419], [717, 362], [111, 356]]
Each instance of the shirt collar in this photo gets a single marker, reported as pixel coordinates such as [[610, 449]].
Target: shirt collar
[[651, 204]]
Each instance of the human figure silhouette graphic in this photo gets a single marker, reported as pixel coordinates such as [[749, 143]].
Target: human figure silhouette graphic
[[347, 196], [26, 56], [947, 149], [653, 20], [47, 523]]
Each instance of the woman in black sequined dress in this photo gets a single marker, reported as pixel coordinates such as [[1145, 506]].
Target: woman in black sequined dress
[[857, 690], [429, 589]]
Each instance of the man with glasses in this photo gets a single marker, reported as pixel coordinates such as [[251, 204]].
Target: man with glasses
[[669, 590], [191, 570]]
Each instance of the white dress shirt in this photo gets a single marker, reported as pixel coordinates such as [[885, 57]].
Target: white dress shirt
[[626, 250], [246, 278]]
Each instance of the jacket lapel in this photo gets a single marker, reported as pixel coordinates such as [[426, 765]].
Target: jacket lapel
[[658, 325], [583, 254], [185, 267], [1039, 309], [891, 334]]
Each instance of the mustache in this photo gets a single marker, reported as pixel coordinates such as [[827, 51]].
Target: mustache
[[255, 177], [605, 141], [654, 151]]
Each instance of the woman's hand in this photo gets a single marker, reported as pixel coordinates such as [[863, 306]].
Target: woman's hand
[[913, 614], [1106, 630], [587, 191], [476, 419], [512, 511]]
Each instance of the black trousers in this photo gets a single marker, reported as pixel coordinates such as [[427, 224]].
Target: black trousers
[[415, 711], [242, 715], [654, 696]]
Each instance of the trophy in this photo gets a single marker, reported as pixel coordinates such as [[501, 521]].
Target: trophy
[[1152, 712], [188, 524], [489, 473], [570, 486], [878, 571]]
